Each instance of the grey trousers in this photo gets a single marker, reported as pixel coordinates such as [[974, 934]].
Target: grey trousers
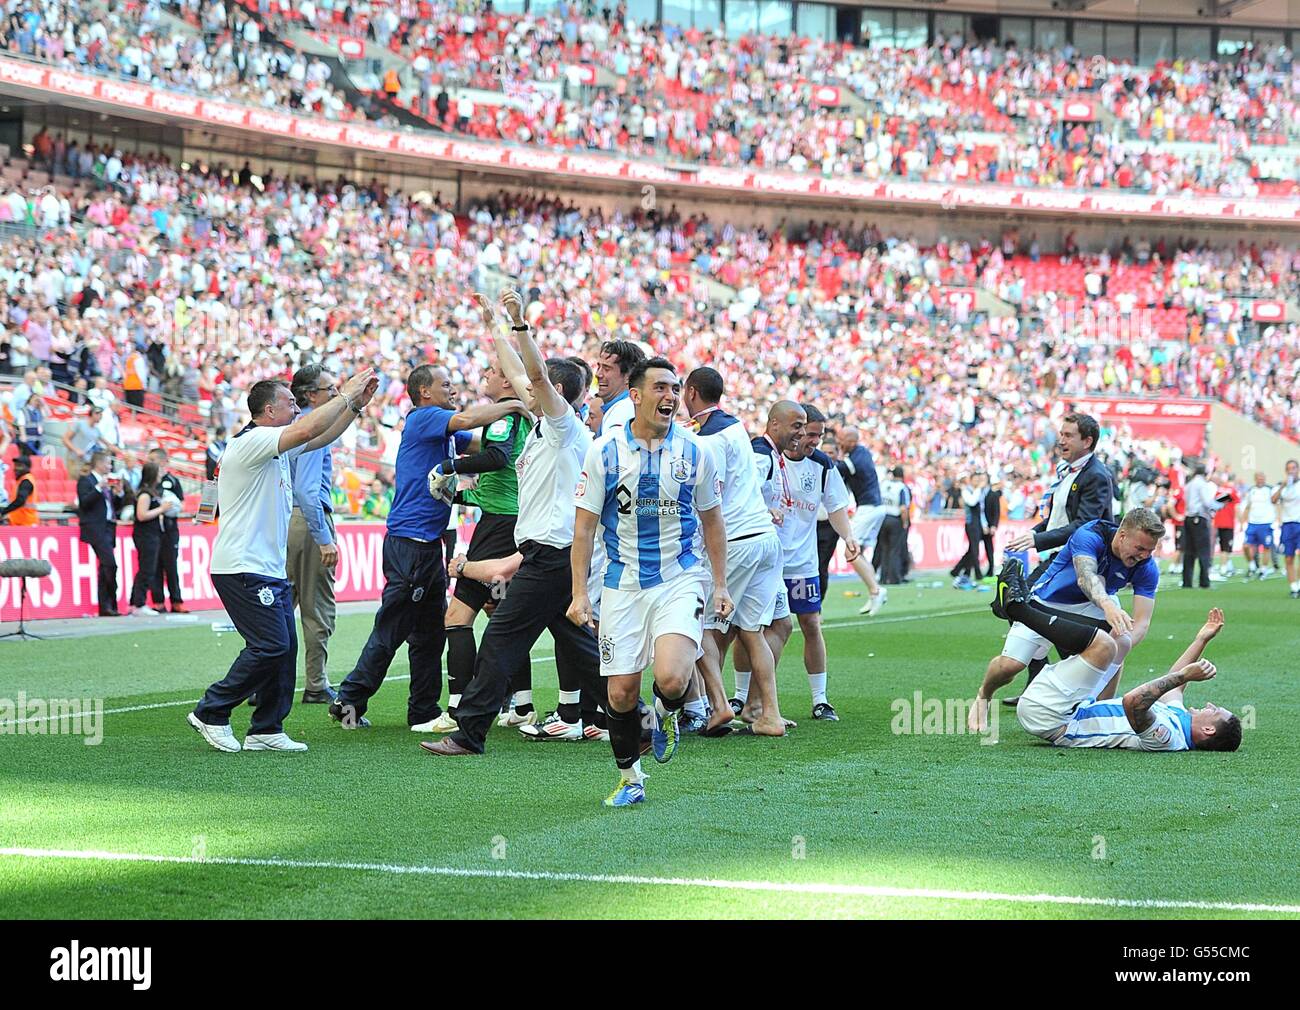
[[313, 595]]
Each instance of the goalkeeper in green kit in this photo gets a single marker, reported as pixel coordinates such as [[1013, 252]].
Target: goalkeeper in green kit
[[492, 458]]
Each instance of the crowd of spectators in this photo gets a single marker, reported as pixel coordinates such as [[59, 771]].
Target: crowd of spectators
[[956, 111], [204, 282], [219, 52]]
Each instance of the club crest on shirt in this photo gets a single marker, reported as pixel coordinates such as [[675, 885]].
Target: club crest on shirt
[[265, 596], [418, 595], [807, 482], [681, 470], [606, 650], [1161, 734]]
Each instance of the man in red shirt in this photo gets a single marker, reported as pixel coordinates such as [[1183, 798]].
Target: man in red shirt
[[1176, 512], [1225, 524]]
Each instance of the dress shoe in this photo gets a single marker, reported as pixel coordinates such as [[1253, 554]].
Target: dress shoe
[[447, 747], [325, 697], [179, 608]]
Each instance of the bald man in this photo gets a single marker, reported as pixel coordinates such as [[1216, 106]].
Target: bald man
[[798, 479], [859, 472]]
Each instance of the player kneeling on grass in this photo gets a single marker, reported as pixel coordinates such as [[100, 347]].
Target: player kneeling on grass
[[649, 486], [1061, 704]]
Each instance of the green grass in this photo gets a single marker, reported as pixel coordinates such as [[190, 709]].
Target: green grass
[[862, 805]]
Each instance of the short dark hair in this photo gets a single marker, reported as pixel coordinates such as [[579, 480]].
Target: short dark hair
[[897, 472], [263, 394], [22, 465], [97, 455], [304, 381], [564, 373], [639, 369], [629, 355], [1227, 738], [158, 450], [586, 369], [418, 379], [1087, 425], [707, 382], [815, 416]]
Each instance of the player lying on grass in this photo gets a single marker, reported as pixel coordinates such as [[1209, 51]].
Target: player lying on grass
[[1083, 582], [1061, 704]]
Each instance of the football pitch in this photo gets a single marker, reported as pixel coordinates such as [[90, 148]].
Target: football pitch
[[893, 812]]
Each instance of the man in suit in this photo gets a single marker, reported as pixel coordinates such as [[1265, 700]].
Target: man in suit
[[1084, 490], [99, 499], [992, 517], [169, 553]]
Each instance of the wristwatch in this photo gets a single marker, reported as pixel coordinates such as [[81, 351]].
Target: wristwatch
[[520, 329], [460, 566]]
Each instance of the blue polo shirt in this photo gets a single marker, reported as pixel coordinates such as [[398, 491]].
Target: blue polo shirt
[[425, 443], [1060, 583]]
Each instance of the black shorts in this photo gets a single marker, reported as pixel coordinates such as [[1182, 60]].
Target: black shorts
[[494, 537], [1225, 540]]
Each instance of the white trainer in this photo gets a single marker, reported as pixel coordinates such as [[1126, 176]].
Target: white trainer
[[512, 719], [145, 612], [443, 724], [220, 738], [272, 741], [553, 728]]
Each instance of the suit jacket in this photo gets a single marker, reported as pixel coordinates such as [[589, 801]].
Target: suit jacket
[[1091, 495], [993, 508], [92, 510]]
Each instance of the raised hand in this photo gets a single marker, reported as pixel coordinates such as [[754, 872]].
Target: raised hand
[[1212, 626], [512, 303], [485, 310], [1202, 669]]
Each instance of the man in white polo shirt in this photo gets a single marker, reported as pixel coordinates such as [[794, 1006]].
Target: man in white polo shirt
[[539, 595], [255, 495]]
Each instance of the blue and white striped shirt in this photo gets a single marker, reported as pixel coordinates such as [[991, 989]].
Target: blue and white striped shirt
[[648, 502], [1104, 724]]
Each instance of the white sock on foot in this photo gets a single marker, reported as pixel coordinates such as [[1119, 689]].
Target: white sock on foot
[[634, 774], [742, 685], [817, 684]]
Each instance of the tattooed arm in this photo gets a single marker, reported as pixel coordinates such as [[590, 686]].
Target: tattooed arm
[[1093, 586], [1138, 702]]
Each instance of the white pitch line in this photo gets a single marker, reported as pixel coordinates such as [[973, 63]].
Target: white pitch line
[[768, 886], [184, 701]]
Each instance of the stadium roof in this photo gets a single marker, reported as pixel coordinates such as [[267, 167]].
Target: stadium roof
[[1254, 12]]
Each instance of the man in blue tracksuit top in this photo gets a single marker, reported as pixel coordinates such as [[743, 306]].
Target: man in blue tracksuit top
[[415, 590]]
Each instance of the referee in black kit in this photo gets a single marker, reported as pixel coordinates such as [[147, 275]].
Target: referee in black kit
[[254, 489], [538, 597]]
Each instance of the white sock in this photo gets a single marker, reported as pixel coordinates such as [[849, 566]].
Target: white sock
[[570, 697], [817, 684], [697, 707], [742, 685], [453, 700], [634, 774], [522, 698], [660, 708]]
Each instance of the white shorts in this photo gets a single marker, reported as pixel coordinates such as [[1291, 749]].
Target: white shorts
[[866, 526], [754, 582], [632, 619], [1025, 646], [1047, 705]]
